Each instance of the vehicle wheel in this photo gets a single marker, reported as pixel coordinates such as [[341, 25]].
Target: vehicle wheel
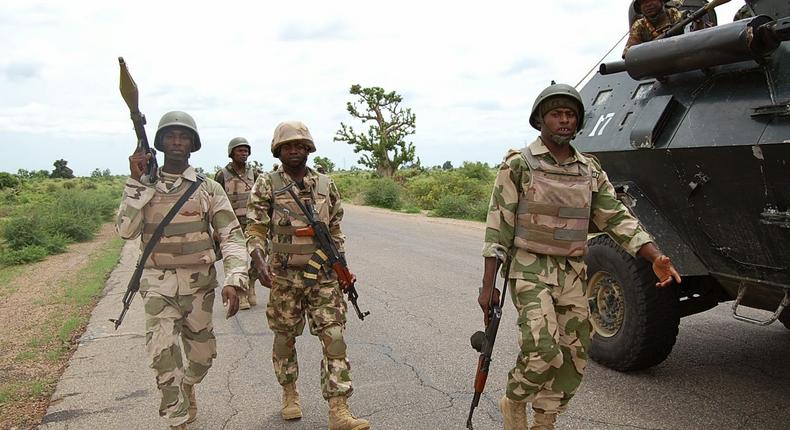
[[784, 318], [635, 324]]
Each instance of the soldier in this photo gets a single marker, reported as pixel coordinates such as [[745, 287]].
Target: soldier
[[656, 19], [544, 197], [275, 215], [237, 178], [179, 278]]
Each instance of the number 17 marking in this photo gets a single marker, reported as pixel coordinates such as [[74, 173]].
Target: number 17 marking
[[603, 121]]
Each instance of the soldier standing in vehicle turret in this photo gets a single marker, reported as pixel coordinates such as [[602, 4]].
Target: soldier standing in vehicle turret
[[656, 18], [237, 178], [179, 278], [545, 196], [275, 216]]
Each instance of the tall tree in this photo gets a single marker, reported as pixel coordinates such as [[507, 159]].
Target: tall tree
[[324, 162], [61, 170], [384, 142]]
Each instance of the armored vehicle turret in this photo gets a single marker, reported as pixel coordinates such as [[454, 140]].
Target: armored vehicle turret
[[694, 132]]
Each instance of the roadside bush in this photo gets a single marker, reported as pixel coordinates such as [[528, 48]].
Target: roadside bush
[[384, 193], [21, 231], [49, 221], [455, 206], [28, 254], [476, 170], [8, 180], [426, 190], [351, 184]]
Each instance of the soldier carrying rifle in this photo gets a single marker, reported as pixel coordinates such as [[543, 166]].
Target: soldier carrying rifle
[[544, 197], [302, 281]]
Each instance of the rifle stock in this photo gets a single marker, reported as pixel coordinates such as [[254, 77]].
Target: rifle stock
[[131, 96]]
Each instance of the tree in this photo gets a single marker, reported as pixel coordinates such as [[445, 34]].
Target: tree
[[99, 173], [447, 165], [384, 140], [8, 180], [324, 162], [61, 170]]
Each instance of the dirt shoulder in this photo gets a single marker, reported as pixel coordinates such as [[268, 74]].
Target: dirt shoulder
[[44, 307]]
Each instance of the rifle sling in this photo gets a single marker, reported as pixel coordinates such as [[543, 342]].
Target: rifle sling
[[134, 283]]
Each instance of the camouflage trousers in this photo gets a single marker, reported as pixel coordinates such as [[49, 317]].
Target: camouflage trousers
[[173, 323], [554, 335], [290, 300]]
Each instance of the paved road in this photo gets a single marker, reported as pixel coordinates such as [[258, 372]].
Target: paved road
[[411, 361]]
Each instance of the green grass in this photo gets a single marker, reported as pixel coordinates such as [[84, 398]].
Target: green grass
[[92, 277], [21, 390], [25, 356], [51, 342]]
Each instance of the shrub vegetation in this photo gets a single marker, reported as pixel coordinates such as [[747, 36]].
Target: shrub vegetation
[[463, 192], [41, 217]]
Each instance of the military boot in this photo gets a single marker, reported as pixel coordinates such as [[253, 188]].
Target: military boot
[[251, 297], [291, 408], [244, 303], [514, 414], [544, 421], [190, 392], [340, 418]]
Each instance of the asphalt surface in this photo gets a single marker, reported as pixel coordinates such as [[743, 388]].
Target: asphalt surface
[[412, 364]]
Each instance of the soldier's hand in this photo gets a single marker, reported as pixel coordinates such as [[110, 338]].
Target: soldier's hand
[[344, 284], [231, 300], [137, 164], [482, 300], [665, 271], [262, 267], [265, 275]]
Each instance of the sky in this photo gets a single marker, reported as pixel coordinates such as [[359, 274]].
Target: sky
[[469, 72]]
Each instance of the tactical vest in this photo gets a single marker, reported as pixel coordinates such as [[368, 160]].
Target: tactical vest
[[289, 250], [553, 213], [186, 240], [238, 190]]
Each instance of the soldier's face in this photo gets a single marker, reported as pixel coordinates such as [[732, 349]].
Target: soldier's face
[[240, 154], [293, 154], [559, 122], [651, 8], [177, 143]]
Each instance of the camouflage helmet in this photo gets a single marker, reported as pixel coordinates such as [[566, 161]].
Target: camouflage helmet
[[290, 131], [638, 6], [556, 90], [238, 141], [180, 119]]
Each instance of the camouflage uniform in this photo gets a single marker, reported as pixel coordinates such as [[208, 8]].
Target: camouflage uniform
[[291, 295], [643, 30], [547, 290], [744, 12], [178, 282], [238, 189]]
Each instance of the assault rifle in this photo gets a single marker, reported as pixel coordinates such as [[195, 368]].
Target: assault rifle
[[483, 342], [130, 96], [327, 251], [678, 28]]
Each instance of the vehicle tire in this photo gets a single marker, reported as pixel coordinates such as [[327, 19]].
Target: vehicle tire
[[635, 324], [784, 318]]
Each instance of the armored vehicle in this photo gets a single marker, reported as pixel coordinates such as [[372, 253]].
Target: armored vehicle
[[694, 132]]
